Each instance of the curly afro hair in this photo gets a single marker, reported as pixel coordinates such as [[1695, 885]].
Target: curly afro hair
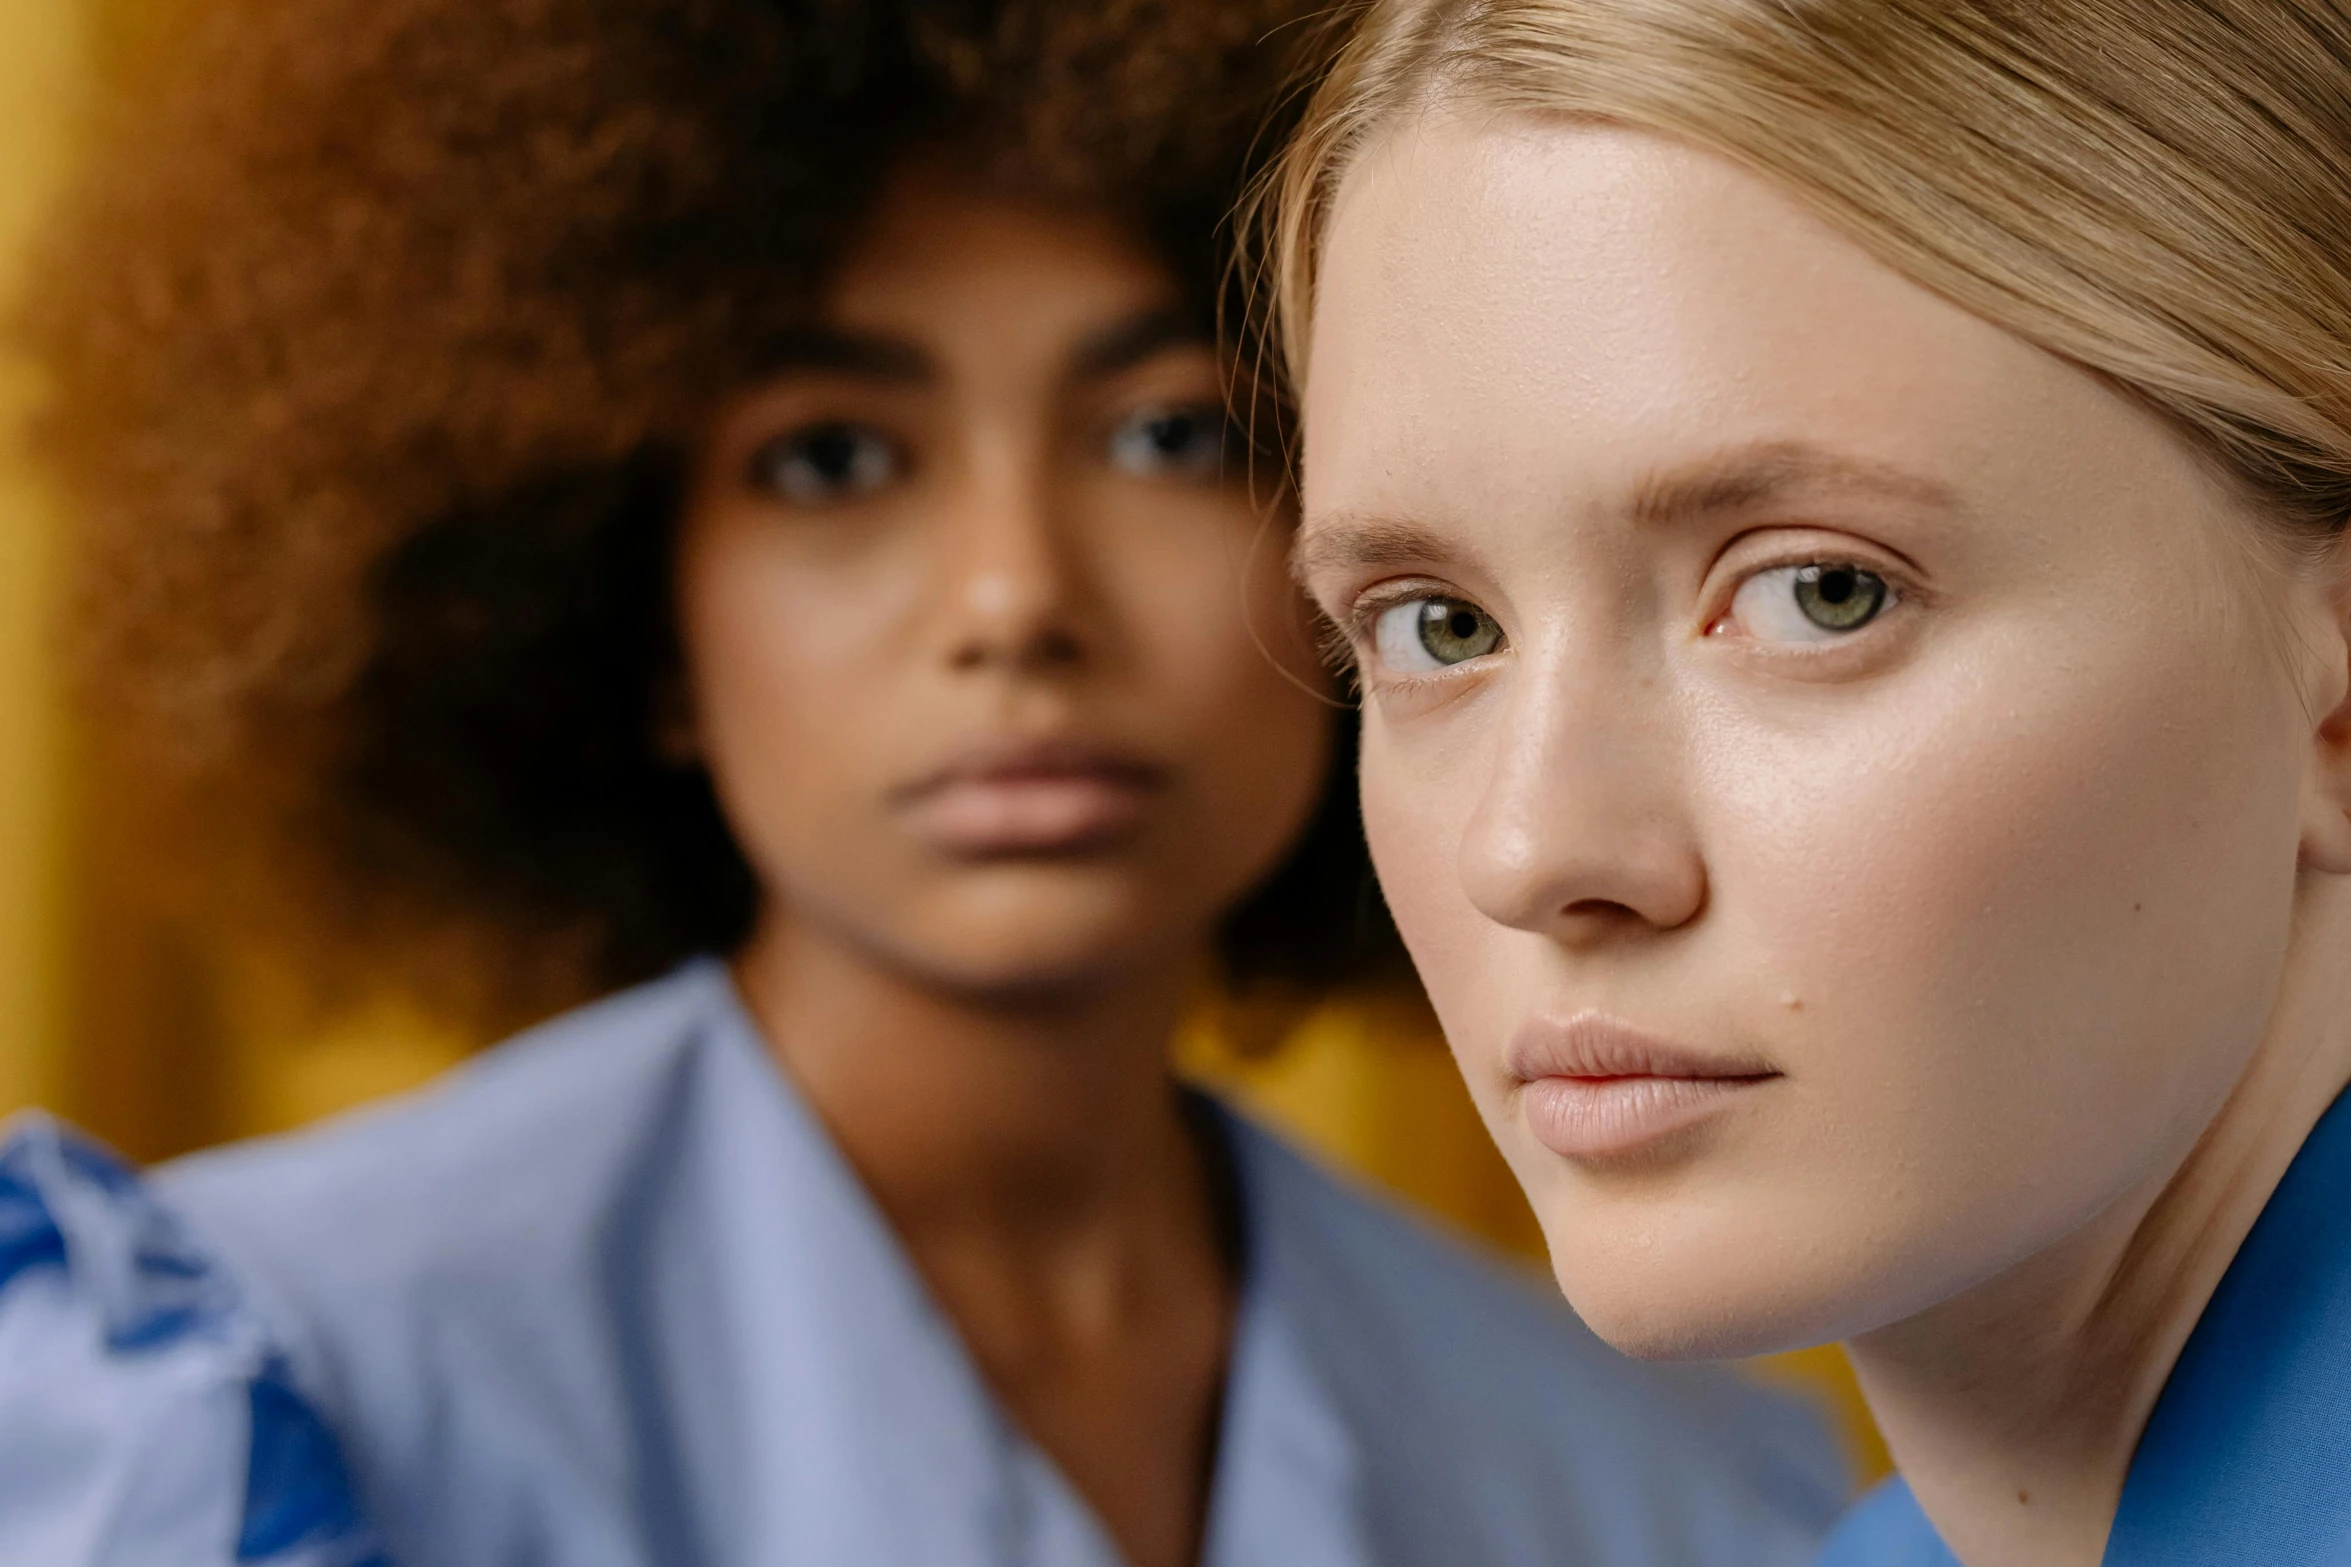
[[378, 332]]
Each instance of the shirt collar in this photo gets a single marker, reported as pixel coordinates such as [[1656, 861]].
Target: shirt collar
[[2247, 1456], [863, 1386], [1288, 1466]]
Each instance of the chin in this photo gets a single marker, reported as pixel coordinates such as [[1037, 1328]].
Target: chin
[[1032, 935], [1650, 1324], [1657, 1286], [1026, 974]]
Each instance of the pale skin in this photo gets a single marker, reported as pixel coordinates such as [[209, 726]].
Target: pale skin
[[2000, 925], [976, 631]]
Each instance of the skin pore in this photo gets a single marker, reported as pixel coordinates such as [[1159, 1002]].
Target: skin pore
[[976, 612], [1868, 808]]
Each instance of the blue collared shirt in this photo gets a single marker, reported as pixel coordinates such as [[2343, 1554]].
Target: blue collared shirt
[[610, 1297], [2247, 1457]]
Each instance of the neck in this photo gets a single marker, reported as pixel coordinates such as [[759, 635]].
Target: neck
[[2013, 1411], [1030, 1126], [1032, 1154]]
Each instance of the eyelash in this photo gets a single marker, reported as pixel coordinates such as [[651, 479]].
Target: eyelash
[[1343, 640], [1335, 643], [1904, 584]]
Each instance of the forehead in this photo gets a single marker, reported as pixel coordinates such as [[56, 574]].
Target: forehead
[[1524, 312], [939, 255]]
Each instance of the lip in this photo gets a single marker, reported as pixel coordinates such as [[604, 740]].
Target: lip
[[997, 798], [1593, 1088]]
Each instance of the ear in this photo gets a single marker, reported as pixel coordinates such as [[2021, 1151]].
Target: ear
[[2326, 787]]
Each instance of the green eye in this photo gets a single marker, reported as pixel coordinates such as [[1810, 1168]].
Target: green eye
[[1434, 633], [1792, 605], [1839, 598]]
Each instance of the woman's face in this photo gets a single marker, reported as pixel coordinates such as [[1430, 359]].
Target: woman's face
[[977, 610], [1840, 770]]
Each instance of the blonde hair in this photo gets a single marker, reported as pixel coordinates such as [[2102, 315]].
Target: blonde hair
[[2158, 190]]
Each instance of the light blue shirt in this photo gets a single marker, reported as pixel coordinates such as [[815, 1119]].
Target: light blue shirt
[[610, 1297], [2247, 1456]]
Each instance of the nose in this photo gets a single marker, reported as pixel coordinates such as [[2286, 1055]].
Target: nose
[[1582, 832], [1014, 598]]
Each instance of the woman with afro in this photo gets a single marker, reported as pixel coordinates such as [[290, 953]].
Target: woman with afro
[[731, 511]]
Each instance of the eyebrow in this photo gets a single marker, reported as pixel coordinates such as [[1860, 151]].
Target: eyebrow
[[1107, 351], [1733, 481], [864, 356], [1130, 341], [1774, 471], [1344, 541]]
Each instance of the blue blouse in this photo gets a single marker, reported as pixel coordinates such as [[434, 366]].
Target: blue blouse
[[609, 1297], [2247, 1457]]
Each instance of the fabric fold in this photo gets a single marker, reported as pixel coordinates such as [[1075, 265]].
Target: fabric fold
[[147, 1418]]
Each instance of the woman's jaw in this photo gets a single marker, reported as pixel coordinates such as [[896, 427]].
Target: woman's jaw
[[1840, 770]]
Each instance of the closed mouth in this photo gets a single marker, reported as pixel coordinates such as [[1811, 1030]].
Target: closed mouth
[[1592, 1088], [999, 799]]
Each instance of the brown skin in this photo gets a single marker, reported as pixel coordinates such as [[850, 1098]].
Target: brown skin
[[437, 376], [976, 636]]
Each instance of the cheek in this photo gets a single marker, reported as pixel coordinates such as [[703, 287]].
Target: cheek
[[1213, 642], [784, 663], [1199, 584], [2004, 900], [1419, 790]]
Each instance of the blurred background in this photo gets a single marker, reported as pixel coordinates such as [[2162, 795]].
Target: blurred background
[[127, 1012]]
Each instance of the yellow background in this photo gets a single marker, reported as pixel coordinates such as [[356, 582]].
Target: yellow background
[[40, 54], [132, 1021]]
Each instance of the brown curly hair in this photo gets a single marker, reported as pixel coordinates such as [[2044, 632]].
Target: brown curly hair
[[378, 333]]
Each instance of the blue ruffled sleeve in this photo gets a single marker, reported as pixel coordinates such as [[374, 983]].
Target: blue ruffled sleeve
[[146, 1415]]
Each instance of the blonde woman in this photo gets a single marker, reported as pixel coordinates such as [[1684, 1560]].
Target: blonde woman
[[1837, 508], [736, 499]]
